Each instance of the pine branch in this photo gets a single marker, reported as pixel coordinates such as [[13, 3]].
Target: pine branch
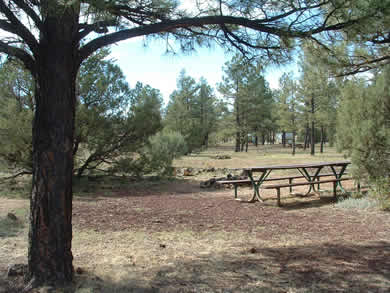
[[172, 25], [2, 179], [18, 28], [20, 54], [29, 11]]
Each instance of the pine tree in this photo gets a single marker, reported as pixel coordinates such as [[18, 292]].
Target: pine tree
[[364, 127]]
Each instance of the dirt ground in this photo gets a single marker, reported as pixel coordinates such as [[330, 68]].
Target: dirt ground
[[181, 238]]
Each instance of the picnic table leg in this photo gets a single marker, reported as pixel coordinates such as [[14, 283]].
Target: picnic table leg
[[278, 195], [310, 178], [338, 176], [256, 186]]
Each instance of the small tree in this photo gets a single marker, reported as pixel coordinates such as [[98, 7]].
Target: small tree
[[246, 89], [364, 127], [288, 110], [112, 120]]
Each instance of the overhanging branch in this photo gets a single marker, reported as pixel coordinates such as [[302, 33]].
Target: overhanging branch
[[29, 11], [170, 26], [22, 55], [18, 28]]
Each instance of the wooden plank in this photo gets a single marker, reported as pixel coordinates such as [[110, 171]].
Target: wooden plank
[[240, 181], [304, 183], [284, 167]]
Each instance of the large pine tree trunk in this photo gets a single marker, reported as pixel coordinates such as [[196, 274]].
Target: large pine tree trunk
[[50, 236]]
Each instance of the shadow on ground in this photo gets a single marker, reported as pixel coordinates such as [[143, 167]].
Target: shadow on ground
[[330, 267]]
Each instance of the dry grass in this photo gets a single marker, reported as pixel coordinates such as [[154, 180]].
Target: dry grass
[[262, 155], [220, 261]]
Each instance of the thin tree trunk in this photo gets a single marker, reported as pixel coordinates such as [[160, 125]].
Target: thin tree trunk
[[50, 236], [263, 139], [206, 140], [242, 144], [312, 137], [238, 142], [238, 134], [284, 138], [293, 143], [246, 144], [322, 139], [306, 137], [256, 141]]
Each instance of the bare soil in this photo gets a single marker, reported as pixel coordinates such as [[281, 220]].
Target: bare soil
[[180, 238]]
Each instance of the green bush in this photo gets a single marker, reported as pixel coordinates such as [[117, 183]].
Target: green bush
[[162, 149], [156, 157]]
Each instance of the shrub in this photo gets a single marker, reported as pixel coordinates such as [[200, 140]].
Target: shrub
[[381, 193], [162, 149], [156, 157], [364, 203]]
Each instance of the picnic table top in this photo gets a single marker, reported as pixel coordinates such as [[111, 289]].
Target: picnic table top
[[295, 166]]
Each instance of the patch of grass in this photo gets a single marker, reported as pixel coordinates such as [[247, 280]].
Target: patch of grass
[[363, 203], [10, 227], [261, 155]]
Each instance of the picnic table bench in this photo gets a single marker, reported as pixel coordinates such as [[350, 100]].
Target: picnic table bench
[[312, 177]]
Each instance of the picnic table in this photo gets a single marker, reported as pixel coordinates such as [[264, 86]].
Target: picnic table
[[309, 172]]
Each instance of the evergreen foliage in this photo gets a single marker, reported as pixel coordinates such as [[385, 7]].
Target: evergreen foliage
[[112, 120], [364, 128], [251, 100], [191, 111], [16, 114], [287, 107]]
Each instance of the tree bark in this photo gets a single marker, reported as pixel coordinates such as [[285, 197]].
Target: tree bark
[[322, 139], [238, 142], [284, 138], [312, 137], [50, 236], [306, 137], [293, 143], [238, 134]]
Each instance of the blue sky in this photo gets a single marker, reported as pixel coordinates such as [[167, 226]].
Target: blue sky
[[150, 65]]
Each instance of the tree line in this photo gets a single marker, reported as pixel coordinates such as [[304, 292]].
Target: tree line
[[119, 129]]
